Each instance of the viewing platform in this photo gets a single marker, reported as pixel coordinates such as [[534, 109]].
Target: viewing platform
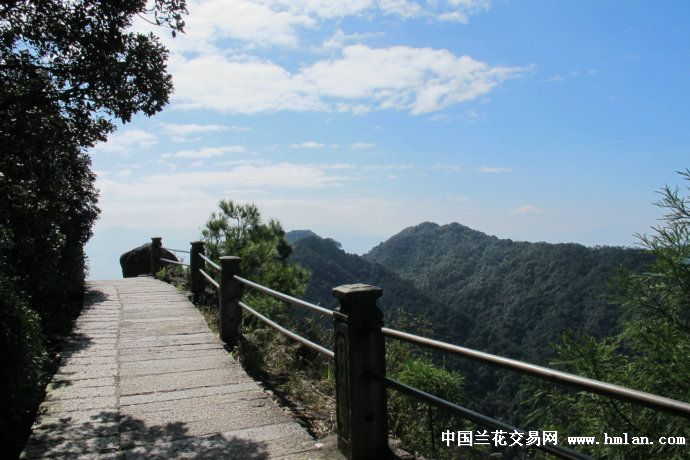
[[143, 377]]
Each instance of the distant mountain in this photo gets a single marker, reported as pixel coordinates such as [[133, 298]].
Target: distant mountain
[[293, 236], [496, 295], [522, 296], [330, 266]]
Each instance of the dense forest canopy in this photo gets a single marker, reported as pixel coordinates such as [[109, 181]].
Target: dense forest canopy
[[496, 295]]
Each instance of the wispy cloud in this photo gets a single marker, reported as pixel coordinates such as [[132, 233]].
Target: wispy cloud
[[180, 132], [206, 152], [308, 145], [339, 39], [388, 167], [447, 167], [191, 128], [125, 142], [528, 209], [361, 145], [458, 168], [493, 170]]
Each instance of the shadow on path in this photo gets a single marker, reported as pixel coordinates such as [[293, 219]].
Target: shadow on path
[[111, 435]]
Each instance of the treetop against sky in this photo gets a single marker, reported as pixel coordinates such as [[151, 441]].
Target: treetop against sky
[[530, 120]]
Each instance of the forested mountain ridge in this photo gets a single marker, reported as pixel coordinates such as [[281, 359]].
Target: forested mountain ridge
[[521, 296], [496, 295], [530, 291], [330, 266]]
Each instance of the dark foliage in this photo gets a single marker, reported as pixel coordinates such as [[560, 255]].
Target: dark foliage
[[68, 70], [330, 266]]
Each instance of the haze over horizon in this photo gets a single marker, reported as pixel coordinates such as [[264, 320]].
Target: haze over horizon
[[356, 119]]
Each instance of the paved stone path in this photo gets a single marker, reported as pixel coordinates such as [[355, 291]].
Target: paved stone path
[[143, 377]]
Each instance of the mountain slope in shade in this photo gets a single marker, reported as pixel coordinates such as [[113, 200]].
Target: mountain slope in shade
[[330, 266]]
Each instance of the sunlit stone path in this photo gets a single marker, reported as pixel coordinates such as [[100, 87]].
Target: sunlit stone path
[[143, 377]]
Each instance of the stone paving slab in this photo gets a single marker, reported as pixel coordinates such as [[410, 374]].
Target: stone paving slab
[[186, 351], [187, 394], [143, 377], [166, 365]]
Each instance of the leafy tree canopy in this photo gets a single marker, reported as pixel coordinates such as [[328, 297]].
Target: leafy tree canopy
[[238, 230], [82, 57]]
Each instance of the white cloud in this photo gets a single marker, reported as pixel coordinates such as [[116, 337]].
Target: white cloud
[[388, 167], [178, 199], [240, 175], [458, 168], [402, 8], [325, 9], [420, 80], [337, 166], [182, 132], [308, 145], [123, 143], [206, 152], [528, 209], [461, 10], [339, 39], [450, 10], [192, 128], [493, 170], [250, 21], [263, 23], [361, 145], [448, 168], [244, 85]]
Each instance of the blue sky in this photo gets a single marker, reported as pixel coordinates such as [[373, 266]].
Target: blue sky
[[532, 120]]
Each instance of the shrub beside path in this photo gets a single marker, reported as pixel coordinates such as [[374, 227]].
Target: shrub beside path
[[143, 377]]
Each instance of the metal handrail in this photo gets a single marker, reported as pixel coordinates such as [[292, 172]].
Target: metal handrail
[[177, 250], [210, 262], [668, 405], [292, 335], [285, 297], [176, 262], [476, 417], [209, 278]]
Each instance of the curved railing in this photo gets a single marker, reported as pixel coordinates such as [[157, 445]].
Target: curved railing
[[359, 359]]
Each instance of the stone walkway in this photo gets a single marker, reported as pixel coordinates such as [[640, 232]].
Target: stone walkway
[[142, 377]]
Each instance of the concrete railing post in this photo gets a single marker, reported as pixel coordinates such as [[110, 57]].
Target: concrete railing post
[[156, 245], [361, 413], [197, 282], [230, 295]]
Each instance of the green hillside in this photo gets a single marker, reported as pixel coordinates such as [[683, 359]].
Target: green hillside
[[496, 295], [330, 266], [522, 296]]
